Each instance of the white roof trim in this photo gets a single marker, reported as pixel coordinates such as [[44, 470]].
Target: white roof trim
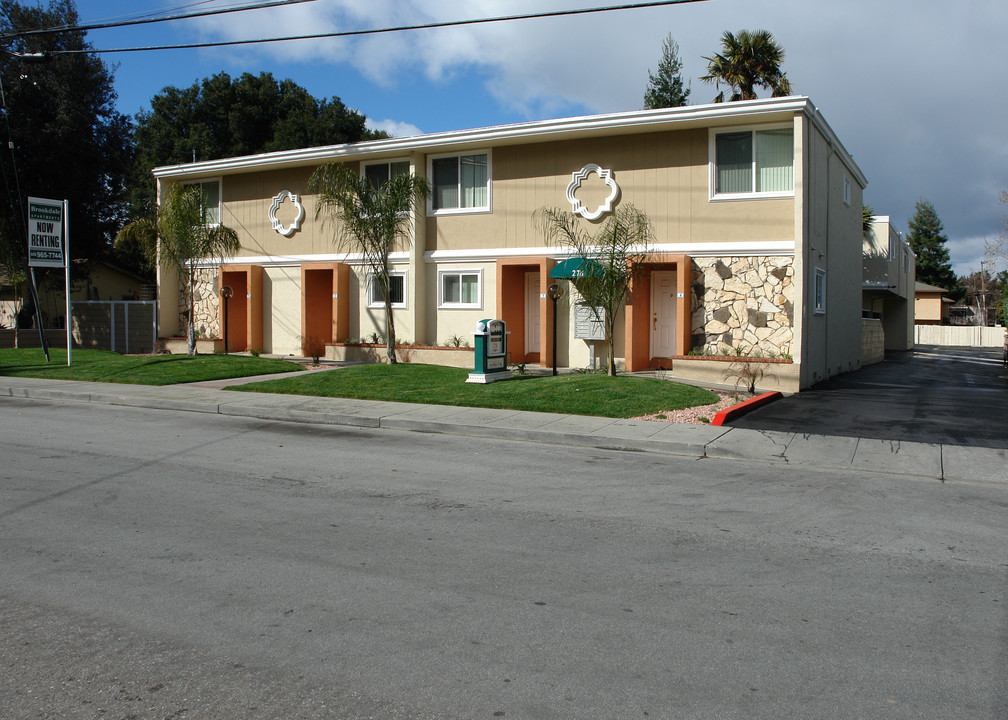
[[538, 131], [773, 248], [396, 258]]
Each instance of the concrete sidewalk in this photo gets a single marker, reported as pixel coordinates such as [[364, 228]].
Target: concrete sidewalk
[[943, 462]]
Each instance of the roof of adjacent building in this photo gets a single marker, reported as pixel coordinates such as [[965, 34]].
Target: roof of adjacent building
[[924, 287], [623, 123]]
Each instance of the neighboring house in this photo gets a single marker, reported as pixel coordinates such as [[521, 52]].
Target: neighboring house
[[931, 305], [90, 280], [756, 208], [888, 284]]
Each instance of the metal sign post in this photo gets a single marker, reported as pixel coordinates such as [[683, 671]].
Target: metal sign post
[[48, 245]]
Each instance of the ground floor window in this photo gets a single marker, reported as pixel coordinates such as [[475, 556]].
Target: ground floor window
[[461, 289], [396, 291]]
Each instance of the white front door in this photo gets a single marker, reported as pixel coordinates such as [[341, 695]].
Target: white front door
[[532, 321], [663, 313]]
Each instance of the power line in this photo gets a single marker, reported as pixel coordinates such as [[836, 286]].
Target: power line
[[377, 31], [147, 20]]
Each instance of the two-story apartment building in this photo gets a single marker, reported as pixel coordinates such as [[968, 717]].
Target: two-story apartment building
[[889, 279], [756, 208]]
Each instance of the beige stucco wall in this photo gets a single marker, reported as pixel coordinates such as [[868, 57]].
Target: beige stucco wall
[[282, 310], [664, 174], [829, 343], [443, 324], [366, 320], [928, 308], [246, 200]]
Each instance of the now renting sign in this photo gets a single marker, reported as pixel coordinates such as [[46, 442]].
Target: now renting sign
[[45, 233]]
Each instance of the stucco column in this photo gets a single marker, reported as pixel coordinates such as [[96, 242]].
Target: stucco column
[[419, 296]]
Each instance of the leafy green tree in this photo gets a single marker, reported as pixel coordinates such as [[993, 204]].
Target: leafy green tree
[[219, 117], [68, 140], [371, 219], [13, 274], [928, 241], [747, 61], [666, 88], [180, 235], [616, 252]]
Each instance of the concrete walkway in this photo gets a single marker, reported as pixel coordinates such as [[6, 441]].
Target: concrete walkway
[[932, 460]]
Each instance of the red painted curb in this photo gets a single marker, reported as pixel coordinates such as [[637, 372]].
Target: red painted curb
[[743, 407]]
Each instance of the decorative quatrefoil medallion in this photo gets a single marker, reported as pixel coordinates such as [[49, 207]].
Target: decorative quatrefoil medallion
[[606, 176], [287, 230]]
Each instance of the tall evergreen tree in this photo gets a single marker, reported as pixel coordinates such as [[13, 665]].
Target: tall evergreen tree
[[666, 88], [928, 241]]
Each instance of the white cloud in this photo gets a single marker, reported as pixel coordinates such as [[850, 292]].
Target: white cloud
[[395, 128]]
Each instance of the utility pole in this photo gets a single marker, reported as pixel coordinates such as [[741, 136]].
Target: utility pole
[[983, 293]]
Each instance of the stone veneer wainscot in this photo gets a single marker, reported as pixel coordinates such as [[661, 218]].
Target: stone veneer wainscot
[[747, 301]]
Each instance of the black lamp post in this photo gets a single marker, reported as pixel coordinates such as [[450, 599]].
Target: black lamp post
[[555, 291], [225, 293]]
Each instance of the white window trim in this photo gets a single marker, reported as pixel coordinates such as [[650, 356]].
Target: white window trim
[[846, 191], [404, 305], [478, 305], [819, 298], [715, 196], [460, 211]]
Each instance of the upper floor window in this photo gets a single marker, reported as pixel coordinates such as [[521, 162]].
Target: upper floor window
[[211, 190], [379, 173], [753, 162], [460, 183], [846, 191]]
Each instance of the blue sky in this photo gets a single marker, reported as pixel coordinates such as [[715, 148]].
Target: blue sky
[[898, 81]]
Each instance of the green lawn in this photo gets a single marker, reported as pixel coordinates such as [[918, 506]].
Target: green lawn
[[103, 366], [589, 394]]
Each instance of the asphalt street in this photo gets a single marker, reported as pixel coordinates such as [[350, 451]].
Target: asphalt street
[[955, 396], [161, 564]]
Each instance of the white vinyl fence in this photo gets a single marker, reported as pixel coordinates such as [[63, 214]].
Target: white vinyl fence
[[121, 326], [959, 335]]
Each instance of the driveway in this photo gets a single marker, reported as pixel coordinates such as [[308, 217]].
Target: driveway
[[932, 394]]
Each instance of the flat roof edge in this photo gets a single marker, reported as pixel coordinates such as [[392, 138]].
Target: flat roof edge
[[543, 130]]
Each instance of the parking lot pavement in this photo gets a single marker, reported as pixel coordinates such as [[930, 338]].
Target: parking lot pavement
[[952, 396]]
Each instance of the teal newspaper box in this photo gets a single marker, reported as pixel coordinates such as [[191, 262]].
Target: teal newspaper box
[[491, 352]]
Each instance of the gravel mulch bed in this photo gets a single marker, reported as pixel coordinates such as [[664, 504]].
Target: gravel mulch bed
[[699, 415]]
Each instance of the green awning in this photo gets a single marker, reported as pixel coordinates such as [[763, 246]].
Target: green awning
[[574, 268]]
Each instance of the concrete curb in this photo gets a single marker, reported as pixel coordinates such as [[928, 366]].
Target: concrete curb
[[745, 406], [940, 462]]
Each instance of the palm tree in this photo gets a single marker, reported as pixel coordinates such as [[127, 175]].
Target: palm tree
[[370, 219], [615, 254], [747, 61], [179, 236]]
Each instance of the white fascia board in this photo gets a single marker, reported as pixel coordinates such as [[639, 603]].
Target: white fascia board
[[775, 248], [396, 258], [637, 121], [820, 122]]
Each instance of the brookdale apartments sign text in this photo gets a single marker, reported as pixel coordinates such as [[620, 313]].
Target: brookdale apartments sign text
[[45, 233]]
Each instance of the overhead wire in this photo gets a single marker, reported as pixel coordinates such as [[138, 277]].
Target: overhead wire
[[373, 31], [141, 20]]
